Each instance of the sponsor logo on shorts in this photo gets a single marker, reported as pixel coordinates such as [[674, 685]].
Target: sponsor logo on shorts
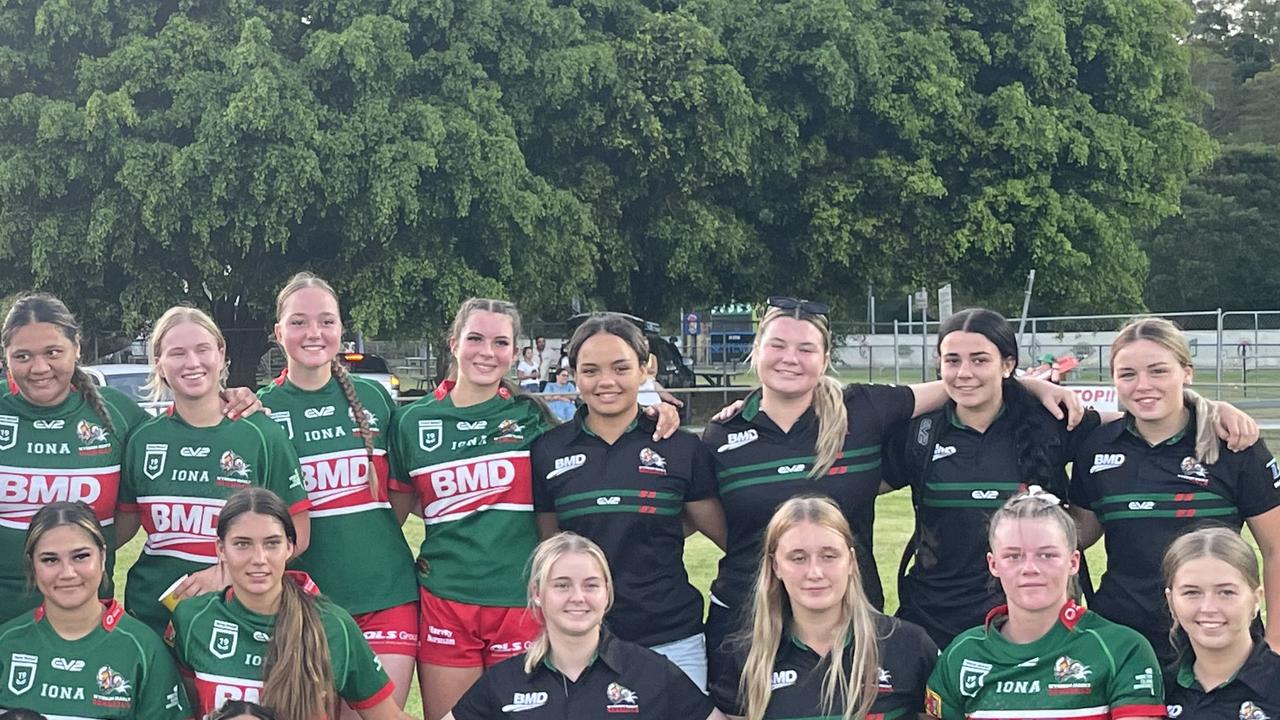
[[1106, 461], [440, 636], [522, 701], [739, 439]]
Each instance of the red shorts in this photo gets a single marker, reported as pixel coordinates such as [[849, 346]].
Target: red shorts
[[393, 631], [455, 634]]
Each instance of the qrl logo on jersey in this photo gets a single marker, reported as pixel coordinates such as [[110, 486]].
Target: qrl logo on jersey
[[224, 640], [430, 434], [8, 431], [153, 461], [973, 675], [22, 672]]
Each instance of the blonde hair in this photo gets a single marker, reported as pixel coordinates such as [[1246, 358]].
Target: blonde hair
[[1035, 503], [172, 318], [1168, 336], [302, 281], [544, 557], [1218, 543], [828, 395], [771, 614], [41, 308]]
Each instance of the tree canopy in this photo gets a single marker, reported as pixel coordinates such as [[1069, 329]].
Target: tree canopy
[[638, 155]]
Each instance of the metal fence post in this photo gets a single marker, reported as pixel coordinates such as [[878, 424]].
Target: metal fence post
[[897, 371], [1218, 362]]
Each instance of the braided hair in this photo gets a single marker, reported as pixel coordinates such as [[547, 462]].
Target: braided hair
[[43, 308]]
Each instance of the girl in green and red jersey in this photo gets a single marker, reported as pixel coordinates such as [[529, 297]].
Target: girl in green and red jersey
[[337, 423], [62, 438], [465, 451], [182, 466], [77, 656]]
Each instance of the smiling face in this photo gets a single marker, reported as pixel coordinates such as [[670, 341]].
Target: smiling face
[[310, 327], [1149, 380], [190, 361], [972, 370], [254, 553], [67, 566], [484, 349], [41, 359], [575, 596], [791, 357], [609, 375], [814, 564], [1032, 559], [1214, 604]]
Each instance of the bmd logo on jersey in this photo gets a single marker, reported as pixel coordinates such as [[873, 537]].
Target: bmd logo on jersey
[[8, 431], [941, 451], [285, 420], [153, 461], [22, 672], [225, 637], [522, 701], [783, 678], [738, 439], [1106, 461], [567, 463], [430, 434]]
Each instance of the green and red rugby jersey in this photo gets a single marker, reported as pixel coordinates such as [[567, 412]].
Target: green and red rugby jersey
[[470, 468], [358, 555], [1146, 496], [1084, 668], [53, 454], [120, 670], [178, 477], [223, 645]]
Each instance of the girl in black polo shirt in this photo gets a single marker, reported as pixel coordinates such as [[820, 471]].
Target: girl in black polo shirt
[[1160, 471], [809, 607], [603, 476], [576, 668], [1212, 585]]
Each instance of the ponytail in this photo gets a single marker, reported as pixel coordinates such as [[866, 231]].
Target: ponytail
[[343, 377], [1207, 444], [833, 424], [1030, 439], [298, 677], [88, 390]]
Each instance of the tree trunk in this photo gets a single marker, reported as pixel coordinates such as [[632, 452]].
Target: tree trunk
[[246, 342]]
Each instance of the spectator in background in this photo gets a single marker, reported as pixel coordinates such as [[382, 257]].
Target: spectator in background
[[562, 406], [527, 370], [548, 360]]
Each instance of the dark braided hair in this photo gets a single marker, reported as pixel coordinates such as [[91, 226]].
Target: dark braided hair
[[1029, 434], [43, 308]]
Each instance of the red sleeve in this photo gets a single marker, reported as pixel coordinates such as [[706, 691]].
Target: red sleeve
[[303, 505], [129, 507], [374, 699]]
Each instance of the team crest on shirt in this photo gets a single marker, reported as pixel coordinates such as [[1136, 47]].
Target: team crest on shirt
[[225, 636], [153, 461], [430, 434], [370, 419], [8, 431], [973, 675], [651, 463], [93, 438], [235, 471], [1072, 677], [1249, 711], [509, 431], [621, 700], [884, 681], [1193, 471], [285, 421], [115, 689], [22, 672]]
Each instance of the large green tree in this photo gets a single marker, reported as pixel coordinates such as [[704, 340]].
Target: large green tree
[[1216, 252], [641, 155]]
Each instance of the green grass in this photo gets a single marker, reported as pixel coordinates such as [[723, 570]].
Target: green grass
[[892, 530]]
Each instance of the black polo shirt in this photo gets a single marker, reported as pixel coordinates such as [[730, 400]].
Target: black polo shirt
[[624, 680], [1146, 496], [907, 657], [1252, 694], [628, 498], [970, 475], [758, 467]]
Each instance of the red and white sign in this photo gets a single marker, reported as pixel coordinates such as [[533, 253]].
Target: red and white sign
[[1099, 397]]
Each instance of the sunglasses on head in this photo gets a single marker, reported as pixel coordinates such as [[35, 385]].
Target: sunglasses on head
[[808, 307]]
